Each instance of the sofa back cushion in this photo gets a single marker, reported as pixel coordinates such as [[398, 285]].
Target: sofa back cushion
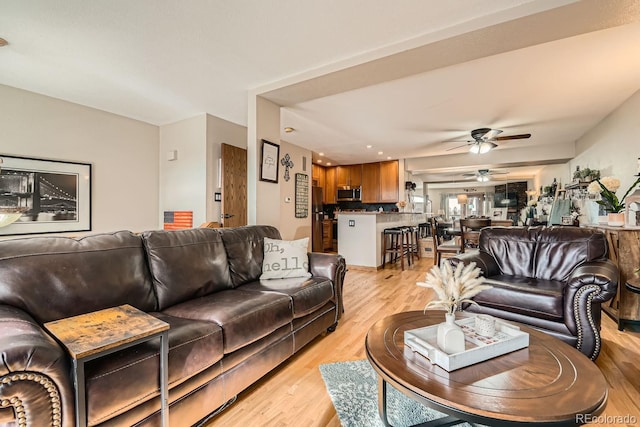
[[186, 264], [561, 249], [56, 277], [549, 253], [512, 248], [245, 250]]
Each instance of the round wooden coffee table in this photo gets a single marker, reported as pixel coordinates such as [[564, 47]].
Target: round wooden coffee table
[[547, 383]]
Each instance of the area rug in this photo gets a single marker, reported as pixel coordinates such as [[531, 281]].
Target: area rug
[[353, 387]]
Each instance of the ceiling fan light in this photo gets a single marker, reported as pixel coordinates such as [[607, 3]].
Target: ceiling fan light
[[485, 147], [483, 178], [475, 148]]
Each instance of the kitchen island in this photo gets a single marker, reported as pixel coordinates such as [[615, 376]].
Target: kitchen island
[[360, 234]]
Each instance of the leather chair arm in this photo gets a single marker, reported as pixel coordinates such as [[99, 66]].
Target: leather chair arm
[[588, 286], [331, 266], [485, 262], [34, 372]]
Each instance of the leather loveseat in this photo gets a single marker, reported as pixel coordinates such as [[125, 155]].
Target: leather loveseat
[[227, 327], [553, 279]]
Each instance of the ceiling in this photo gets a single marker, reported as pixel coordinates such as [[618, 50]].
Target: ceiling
[[402, 77]]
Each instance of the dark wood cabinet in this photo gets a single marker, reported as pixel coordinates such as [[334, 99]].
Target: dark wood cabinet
[[330, 189], [349, 176], [389, 181], [371, 182]]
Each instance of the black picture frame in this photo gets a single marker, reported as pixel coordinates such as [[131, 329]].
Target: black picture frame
[[54, 196], [269, 161]]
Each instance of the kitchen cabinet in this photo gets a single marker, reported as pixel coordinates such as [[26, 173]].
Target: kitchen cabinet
[[371, 182], [330, 188], [389, 181], [327, 235], [349, 176], [318, 175]]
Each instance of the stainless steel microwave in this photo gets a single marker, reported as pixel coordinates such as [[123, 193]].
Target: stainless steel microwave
[[349, 194]]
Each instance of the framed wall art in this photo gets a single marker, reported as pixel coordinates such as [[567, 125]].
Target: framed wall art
[[269, 161], [302, 195], [53, 196]]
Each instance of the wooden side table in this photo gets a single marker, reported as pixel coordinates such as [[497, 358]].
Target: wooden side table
[[93, 335]]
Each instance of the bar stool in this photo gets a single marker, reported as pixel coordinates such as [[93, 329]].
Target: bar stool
[[395, 243], [412, 245], [424, 230]]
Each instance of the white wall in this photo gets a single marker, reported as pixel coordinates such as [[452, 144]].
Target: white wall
[[267, 198], [183, 181], [291, 227], [123, 153], [613, 146]]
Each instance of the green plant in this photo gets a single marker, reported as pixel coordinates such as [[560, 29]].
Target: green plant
[[607, 188], [593, 173]]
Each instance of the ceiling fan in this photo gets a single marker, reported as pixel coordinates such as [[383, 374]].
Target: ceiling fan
[[483, 175], [484, 140]]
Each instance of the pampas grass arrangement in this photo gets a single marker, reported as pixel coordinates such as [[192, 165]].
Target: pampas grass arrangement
[[453, 287]]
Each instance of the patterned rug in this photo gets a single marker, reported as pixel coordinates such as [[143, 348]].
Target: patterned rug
[[353, 387]]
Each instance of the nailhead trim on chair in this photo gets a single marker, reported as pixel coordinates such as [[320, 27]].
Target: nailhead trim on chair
[[576, 301], [16, 403]]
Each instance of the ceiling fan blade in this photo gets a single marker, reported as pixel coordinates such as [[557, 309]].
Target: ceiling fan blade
[[492, 134], [498, 173], [521, 136], [455, 148]]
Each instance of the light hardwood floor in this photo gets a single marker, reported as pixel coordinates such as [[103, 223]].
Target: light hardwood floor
[[295, 395]]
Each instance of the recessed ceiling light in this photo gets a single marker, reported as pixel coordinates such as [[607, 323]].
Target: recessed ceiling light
[[289, 129], [319, 160], [380, 153], [328, 163], [388, 157], [320, 154], [3, 42], [369, 146]]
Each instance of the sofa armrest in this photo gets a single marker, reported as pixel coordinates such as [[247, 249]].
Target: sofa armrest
[[589, 285], [34, 372], [485, 262], [331, 266]]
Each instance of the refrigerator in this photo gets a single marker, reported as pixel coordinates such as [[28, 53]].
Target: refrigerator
[[317, 217]]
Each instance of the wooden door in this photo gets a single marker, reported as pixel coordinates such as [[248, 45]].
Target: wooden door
[[389, 181], [233, 212], [371, 182]]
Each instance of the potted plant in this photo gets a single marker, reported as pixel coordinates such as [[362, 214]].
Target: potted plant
[[607, 188], [588, 175], [452, 288]]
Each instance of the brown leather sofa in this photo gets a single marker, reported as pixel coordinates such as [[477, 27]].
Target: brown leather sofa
[[227, 327], [553, 279]]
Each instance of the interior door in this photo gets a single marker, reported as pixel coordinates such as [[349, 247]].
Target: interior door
[[233, 212]]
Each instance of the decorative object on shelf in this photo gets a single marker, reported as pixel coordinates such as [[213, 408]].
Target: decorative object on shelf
[[632, 209], [44, 196], [607, 188], [452, 288], [269, 163], [585, 175], [288, 164]]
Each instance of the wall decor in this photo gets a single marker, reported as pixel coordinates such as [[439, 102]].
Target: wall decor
[[269, 161], [302, 195], [53, 196], [178, 220], [288, 164]]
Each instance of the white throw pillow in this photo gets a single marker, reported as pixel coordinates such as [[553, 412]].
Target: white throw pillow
[[285, 258]]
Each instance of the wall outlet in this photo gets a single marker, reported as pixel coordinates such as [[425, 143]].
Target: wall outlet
[[352, 223]]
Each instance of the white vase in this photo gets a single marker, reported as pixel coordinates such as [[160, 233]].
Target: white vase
[[450, 335], [615, 219]]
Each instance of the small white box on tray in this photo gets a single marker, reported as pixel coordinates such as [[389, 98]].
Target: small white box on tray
[[478, 348]]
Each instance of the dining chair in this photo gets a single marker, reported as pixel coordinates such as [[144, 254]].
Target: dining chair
[[440, 245], [470, 232]]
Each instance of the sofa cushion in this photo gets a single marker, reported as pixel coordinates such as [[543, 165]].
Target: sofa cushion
[[123, 379], [244, 316], [532, 297], [561, 249], [285, 258], [307, 294], [186, 264], [245, 252], [512, 248], [56, 277]]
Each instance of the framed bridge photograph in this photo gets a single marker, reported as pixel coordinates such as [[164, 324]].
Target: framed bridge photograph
[[44, 196]]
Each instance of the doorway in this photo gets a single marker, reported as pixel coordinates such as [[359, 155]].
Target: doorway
[[233, 212]]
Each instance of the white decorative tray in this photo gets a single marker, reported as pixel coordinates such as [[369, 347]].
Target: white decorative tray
[[508, 338]]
